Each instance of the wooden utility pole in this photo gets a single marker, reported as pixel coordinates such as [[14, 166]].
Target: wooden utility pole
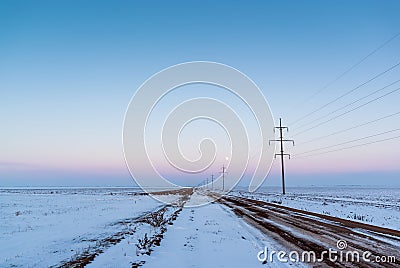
[[282, 154], [212, 181]]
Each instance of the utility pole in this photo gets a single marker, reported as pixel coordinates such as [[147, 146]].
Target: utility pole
[[212, 181], [223, 176], [207, 182], [281, 140]]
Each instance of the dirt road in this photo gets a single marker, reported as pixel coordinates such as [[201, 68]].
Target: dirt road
[[301, 231]]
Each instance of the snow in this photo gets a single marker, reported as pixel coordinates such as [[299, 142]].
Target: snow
[[168, 198], [210, 236], [126, 253], [201, 236], [49, 227], [45, 227], [375, 206]]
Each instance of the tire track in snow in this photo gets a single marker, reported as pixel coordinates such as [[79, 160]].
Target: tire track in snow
[[157, 220], [306, 231]]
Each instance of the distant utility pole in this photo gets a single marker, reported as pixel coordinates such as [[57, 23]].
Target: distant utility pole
[[212, 181], [281, 140], [223, 176], [206, 182]]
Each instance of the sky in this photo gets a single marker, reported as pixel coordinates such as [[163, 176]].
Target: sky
[[68, 70]]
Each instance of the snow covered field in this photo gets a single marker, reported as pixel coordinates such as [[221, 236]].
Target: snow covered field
[[205, 236], [210, 236], [375, 206], [46, 226], [121, 227]]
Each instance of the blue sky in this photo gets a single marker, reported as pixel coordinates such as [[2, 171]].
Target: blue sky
[[69, 68]]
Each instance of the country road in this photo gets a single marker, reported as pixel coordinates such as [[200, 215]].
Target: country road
[[194, 227], [209, 228], [301, 231]]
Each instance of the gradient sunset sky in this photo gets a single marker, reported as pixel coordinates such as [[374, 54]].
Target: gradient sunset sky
[[68, 70]]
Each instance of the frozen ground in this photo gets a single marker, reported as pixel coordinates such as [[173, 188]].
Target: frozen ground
[[46, 226], [120, 227], [375, 206], [204, 236], [210, 236]]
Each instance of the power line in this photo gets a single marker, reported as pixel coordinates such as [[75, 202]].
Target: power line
[[349, 104], [350, 69], [354, 146], [347, 93], [347, 129], [335, 117], [347, 142]]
